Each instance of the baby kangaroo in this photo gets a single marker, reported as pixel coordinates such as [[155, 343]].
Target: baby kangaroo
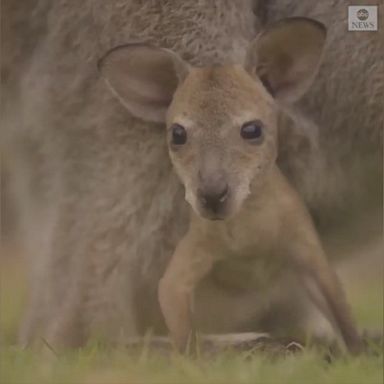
[[222, 134]]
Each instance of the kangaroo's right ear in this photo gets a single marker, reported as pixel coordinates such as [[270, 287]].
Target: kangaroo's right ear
[[144, 78], [286, 56]]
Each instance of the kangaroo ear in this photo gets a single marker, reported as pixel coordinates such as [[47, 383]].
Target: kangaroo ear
[[144, 78], [286, 56]]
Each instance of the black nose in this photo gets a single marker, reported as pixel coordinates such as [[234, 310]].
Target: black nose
[[213, 198]]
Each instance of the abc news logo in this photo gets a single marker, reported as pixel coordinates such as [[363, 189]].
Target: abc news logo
[[362, 18]]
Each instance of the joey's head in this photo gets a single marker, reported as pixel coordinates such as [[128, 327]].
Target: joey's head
[[221, 121]]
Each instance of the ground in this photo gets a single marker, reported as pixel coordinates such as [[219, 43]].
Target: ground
[[97, 364]]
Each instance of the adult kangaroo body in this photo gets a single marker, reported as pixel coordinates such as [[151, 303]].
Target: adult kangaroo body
[[103, 209]]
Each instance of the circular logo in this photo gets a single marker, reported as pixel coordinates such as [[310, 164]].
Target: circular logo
[[362, 14]]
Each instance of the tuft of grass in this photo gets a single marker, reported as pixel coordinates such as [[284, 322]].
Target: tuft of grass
[[95, 365]]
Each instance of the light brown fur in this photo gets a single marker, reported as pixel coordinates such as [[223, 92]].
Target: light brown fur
[[273, 228], [228, 175]]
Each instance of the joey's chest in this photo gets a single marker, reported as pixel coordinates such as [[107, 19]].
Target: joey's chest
[[247, 249], [254, 231]]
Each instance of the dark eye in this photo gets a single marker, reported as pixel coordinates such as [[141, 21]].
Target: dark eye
[[179, 134], [252, 130]]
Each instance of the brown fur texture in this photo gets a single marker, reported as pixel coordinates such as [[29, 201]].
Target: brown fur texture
[[343, 180], [258, 215], [107, 206], [102, 208], [274, 229]]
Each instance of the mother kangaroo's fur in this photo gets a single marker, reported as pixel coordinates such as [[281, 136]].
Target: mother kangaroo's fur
[[102, 209]]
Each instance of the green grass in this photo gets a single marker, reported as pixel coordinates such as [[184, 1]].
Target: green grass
[[100, 366], [96, 364]]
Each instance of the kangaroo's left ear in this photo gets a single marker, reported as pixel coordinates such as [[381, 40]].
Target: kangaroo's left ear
[[286, 56], [143, 77]]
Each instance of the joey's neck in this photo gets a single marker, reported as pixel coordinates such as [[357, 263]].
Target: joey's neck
[[268, 186], [269, 193]]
